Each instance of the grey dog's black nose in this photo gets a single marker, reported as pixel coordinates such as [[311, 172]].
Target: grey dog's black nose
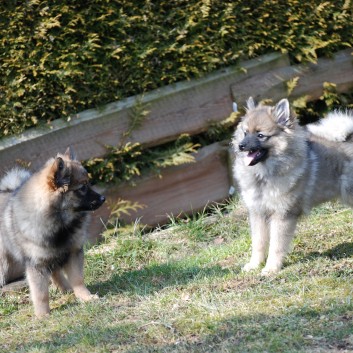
[[102, 199], [241, 147]]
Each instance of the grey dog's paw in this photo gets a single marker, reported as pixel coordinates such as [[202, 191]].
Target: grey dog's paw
[[250, 267], [89, 297], [93, 297], [270, 271], [84, 295]]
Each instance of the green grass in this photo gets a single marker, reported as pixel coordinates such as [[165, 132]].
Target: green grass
[[181, 289]]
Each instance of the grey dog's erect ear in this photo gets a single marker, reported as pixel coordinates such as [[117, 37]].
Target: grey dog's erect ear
[[59, 175], [70, 154], [281, 112], [250, 103]]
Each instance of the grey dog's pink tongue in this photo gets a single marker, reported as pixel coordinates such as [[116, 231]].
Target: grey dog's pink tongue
[[249, 158]]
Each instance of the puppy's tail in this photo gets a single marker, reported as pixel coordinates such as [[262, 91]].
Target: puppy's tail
[[13, 179], [337, 127]]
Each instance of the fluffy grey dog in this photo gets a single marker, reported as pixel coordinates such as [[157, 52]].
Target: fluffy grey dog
[[42, 227], [283, 170]]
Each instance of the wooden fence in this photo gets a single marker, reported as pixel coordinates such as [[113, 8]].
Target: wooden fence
[[186, 107]]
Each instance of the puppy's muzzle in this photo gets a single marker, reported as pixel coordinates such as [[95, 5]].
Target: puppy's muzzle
[[97, 203]]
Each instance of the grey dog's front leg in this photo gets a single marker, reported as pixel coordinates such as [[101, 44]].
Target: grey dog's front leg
[[259, 240], [60, 281], [38, 282], [282, 229], [74, 272]]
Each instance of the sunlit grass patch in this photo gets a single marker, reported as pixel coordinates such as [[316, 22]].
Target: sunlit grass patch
[[180, 289]]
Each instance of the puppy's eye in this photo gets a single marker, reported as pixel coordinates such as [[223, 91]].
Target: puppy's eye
[[83, 188], [260, 136]]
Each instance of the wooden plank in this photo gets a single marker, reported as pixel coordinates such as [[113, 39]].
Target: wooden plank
[[272, 85], [181, 190], [185, 107]]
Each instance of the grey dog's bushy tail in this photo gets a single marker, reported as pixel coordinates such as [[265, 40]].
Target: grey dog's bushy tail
[[13, 179], [337, 126]]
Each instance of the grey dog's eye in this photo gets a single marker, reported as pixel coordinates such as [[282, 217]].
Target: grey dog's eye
[[260, 136], [83, 188]]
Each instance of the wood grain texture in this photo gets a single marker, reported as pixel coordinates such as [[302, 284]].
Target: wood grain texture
[[272, 85], [186, 107], [181, 190]]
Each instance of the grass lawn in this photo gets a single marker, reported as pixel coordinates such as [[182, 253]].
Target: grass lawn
[[181, 289]]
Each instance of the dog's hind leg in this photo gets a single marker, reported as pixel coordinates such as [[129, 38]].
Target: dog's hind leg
[[282, 229], [39, 290], [259, 240], [3, 272], [74, 272], [347, 184]]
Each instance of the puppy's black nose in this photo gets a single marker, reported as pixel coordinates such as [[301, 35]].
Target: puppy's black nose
[[241, 147], [102, 199]]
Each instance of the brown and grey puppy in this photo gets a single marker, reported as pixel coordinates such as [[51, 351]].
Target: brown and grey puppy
[[42, 227], [283, 170]]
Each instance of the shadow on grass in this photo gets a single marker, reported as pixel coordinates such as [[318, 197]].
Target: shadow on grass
[[299, 330], [340, 251], [156, 277]]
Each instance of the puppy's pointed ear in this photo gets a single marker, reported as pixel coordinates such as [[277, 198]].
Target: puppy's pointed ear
[[59, 175], [70, 154], [250, 103], [281, 112], [59, 164]]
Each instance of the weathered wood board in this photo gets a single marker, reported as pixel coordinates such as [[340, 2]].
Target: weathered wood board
[[185, 107], [272, 85], [182, 189]]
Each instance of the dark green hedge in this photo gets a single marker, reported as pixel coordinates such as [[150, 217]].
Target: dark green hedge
[[61, 57]]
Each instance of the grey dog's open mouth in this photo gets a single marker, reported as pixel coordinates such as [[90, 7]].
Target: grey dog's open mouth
[[255, 156]]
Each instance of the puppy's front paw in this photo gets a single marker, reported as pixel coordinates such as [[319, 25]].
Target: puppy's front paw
[[41, 313], [270, 271], [83, 294], [250, 266], [91, 297]]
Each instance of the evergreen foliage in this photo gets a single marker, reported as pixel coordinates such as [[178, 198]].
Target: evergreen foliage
[[61, 57], [125, 163]]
